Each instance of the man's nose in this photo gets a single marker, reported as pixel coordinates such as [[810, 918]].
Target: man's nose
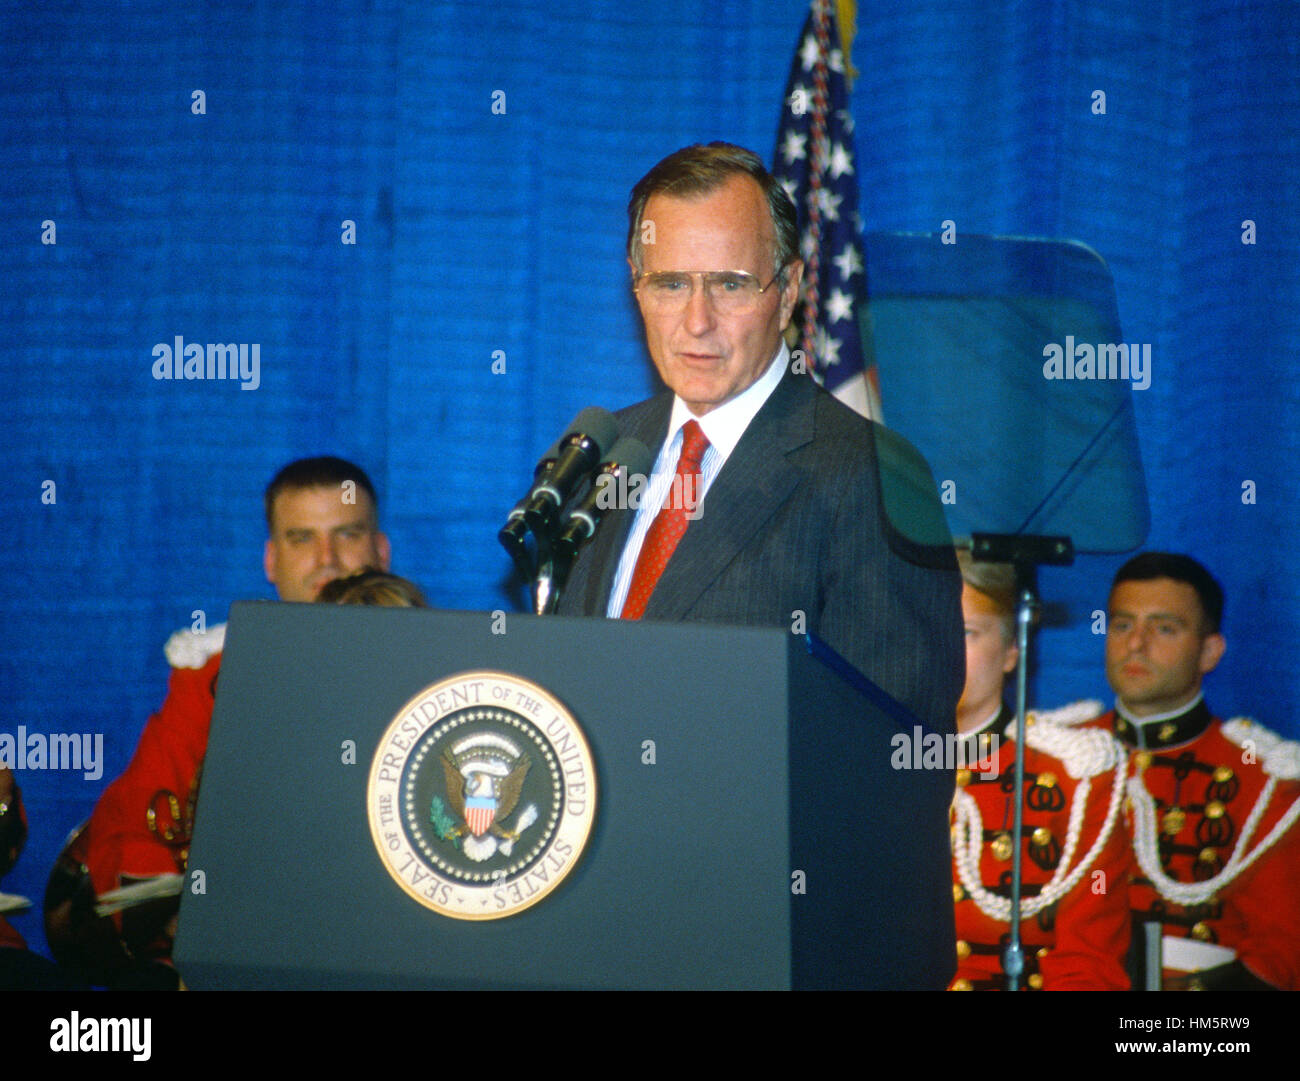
[[327, 553], [699, 318], [1136, 638]]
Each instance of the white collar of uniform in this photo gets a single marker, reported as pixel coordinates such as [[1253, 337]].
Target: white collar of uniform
[[1158, 718], [982, 729], [725, 425]]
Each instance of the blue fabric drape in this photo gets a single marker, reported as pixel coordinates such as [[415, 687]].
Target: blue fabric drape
[[485, 233]]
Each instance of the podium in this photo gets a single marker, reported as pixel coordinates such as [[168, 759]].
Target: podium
[[750, 828]]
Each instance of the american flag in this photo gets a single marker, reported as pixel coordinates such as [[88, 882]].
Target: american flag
[[815, 162]]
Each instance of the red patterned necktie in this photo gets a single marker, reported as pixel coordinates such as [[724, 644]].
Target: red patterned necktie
[[670, 523]]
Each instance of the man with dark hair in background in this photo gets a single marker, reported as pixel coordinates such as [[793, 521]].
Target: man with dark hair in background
[[322, 524], [1213, 803]]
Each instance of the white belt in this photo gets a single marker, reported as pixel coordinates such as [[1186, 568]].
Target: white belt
[[1191, 955]]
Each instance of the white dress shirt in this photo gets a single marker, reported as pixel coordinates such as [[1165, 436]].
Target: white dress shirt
[[723, 427]]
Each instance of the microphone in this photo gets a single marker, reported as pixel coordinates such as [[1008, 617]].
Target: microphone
[[628, 458], [514, 534], [582, 446]]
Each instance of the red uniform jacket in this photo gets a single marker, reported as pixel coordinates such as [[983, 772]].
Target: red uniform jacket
[[142, 823], [1204, 786], [9, 936], [1079, 941]]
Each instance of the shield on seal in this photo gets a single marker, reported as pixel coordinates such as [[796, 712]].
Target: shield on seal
[[480, 803]]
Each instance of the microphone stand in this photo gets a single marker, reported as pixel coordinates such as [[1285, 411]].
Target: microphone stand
[[1026, 553]]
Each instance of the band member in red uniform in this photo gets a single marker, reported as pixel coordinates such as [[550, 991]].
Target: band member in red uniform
[[1075, 922], [13, 835], [322, 520], [20, 969], [1213, 804]]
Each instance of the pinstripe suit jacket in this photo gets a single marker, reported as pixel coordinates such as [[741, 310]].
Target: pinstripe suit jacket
[[794, 522]]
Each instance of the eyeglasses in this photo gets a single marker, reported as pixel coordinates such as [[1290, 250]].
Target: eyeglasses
[[731, 292]]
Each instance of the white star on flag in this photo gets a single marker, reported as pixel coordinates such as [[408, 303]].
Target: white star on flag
[[828, 348], [830, 204], [849, 263], [839, 305], [808, 52], [840, 162], [793, 148]]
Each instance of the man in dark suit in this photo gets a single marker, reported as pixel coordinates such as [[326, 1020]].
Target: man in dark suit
[[764, 506]]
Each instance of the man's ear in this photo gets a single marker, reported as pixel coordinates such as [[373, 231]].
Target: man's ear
[[790, 293], [385, 551], [1212, 649], [268, 561]]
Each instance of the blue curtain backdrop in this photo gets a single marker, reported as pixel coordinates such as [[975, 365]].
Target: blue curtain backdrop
[[484, 232]]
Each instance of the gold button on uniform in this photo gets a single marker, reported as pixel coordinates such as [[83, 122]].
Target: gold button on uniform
[[1041, 836], [1208, 855], [1002, 846], [1046, 780], [963, 778], [960, 985], [958, 894], [1202, 933], [1036, 982], [1215, 809], [1223, 774], [1142, 760], [1173, 821], [963, 950], [1042, 952]]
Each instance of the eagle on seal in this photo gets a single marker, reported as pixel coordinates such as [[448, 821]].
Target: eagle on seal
[[483, 800]]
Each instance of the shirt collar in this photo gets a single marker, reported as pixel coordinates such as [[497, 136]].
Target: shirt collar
[[1163, 729], [986, 726], [727, 423]]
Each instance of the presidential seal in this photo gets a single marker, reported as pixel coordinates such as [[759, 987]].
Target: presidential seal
[[482, 794]]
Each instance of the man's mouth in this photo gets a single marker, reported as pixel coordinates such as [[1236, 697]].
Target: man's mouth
[[317, 584]]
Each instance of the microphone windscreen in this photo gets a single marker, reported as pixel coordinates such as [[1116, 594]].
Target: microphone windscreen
[[633, 456], [596, 424], [549, 457]]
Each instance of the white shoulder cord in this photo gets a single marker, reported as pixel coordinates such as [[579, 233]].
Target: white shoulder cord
[[193, 649], [1279, 758], [1085, 753]]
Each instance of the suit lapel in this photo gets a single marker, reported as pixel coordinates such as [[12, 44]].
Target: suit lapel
[[649, 425], [755, 481]]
